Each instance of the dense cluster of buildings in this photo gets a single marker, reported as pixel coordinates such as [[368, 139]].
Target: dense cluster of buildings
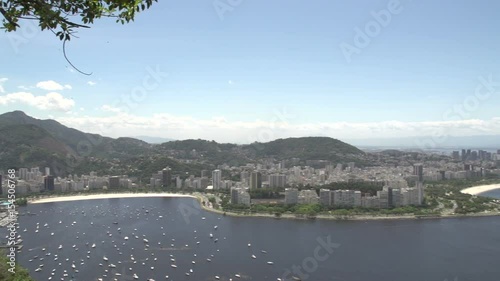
[[34, 181], [399, 172], [473, 155], [388, 197], [395, 194]]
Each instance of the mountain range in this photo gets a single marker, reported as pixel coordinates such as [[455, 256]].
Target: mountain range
[[29, 142]]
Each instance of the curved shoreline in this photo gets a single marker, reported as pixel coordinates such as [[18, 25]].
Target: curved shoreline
[[476, 190], [201, 197], [106, 196]]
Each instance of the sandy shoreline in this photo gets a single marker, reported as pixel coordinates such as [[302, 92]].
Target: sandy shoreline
[[475, 190], [105, 196], [200, 198]]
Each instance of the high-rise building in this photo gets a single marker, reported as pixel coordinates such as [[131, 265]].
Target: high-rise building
[[23, 173], [1, 182], [291, 196], [234, 195], [240, 196], [455, 155], [395, 197], [420, 192], [324, 197], [383, 197], [204, 182], [277, 180], [357, 198], [48, 183], [216, 179], [47, 171], [166, 177], [418, 170], [114, 182], [256, 180]]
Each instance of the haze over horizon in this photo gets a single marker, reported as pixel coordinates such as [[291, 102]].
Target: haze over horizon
[[431, 70]]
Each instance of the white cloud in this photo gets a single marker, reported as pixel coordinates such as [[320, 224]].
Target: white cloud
[[91, 83], [230, 82], [23, 87], [2, 80], [51, 85], [109, 108], [50, 101], [223, 130]]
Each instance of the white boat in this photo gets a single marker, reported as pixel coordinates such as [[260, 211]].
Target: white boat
[[211, 235], [215, 227], [173, 265], [105, 258], [93, 245], [135, 276], [237, 275], [254, 257], [270, 262]]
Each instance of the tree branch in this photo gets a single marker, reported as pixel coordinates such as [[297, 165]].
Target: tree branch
[[4, 13]]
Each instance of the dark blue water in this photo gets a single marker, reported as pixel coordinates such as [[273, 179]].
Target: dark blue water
[[493, 193], [413, 250]]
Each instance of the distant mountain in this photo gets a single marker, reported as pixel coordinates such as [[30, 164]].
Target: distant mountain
[[153, 140], [308, 148], [27, 142], [446, 143]]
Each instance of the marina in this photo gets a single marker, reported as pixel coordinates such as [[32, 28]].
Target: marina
[[80, 250]]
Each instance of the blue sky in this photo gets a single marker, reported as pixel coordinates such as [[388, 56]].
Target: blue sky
[[266, 69]]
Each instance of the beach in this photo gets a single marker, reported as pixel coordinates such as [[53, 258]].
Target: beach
[[208, 207], [105, 196], [475, 190]]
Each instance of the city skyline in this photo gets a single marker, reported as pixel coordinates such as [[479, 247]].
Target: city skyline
[[233, 79]]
